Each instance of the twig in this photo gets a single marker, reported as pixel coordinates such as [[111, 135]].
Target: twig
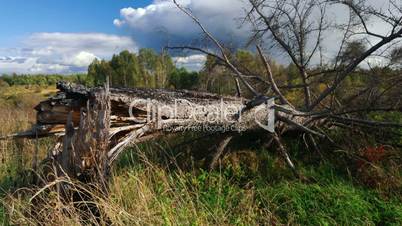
[[284, 153], [219, 151]]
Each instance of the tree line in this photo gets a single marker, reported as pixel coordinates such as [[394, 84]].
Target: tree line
[[150, 69], [126, 69], [39, 79], [145, 69]]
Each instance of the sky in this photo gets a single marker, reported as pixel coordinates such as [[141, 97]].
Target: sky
[[65, 36], [60, 36], [19, 18]]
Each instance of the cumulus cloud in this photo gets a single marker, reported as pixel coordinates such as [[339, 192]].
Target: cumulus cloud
[[62, 52], [118, 23], [162, 22], [83, 59]]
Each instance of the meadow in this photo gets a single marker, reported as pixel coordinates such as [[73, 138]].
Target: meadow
[[164, 183]]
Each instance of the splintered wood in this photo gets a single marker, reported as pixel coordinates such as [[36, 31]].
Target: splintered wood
[[136, 115]]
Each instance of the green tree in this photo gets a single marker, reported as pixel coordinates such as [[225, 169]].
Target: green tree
[[182, 79], [217, 78], [125, 69], [155, 68], [353, 50], [147, 69], [98, 71]]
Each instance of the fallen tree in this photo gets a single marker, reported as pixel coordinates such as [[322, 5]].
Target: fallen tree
[[94, 126]]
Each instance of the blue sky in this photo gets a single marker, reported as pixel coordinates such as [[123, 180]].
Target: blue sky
[[19, 18]]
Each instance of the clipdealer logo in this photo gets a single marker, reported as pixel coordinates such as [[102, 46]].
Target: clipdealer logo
[[206, 117]]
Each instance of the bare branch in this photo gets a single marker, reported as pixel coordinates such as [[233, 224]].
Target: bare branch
[[365, 122], [271, 78], [352, 67], [220, 47], [357, 11]]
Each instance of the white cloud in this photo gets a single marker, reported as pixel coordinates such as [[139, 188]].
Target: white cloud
[[118, 23], [163, 21], [155, 25], [61, 52], [47, 68], [192, 62], [83, 59], [15, 67]]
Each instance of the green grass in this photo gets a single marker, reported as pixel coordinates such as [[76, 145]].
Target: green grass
[[330, 204], [237, 196], [144, 192], [149, 189], [2, 217]]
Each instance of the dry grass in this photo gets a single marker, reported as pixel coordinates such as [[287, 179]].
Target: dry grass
[[17, 114], [148, 196]]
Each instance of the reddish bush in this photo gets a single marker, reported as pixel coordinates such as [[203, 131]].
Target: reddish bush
[[370, 155], [377, 168]]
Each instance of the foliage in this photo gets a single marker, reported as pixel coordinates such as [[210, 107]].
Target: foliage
[[182, 79], [396, 56], [41, 79], [216, 78], [353, 50], [393, 135], [145, 69], [145, 192]]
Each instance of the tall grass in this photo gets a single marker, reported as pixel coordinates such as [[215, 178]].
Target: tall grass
[[147, 193]]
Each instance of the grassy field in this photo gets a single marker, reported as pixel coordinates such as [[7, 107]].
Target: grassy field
[[161, 183]]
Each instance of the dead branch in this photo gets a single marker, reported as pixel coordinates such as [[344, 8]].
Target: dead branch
[[219, 152]]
